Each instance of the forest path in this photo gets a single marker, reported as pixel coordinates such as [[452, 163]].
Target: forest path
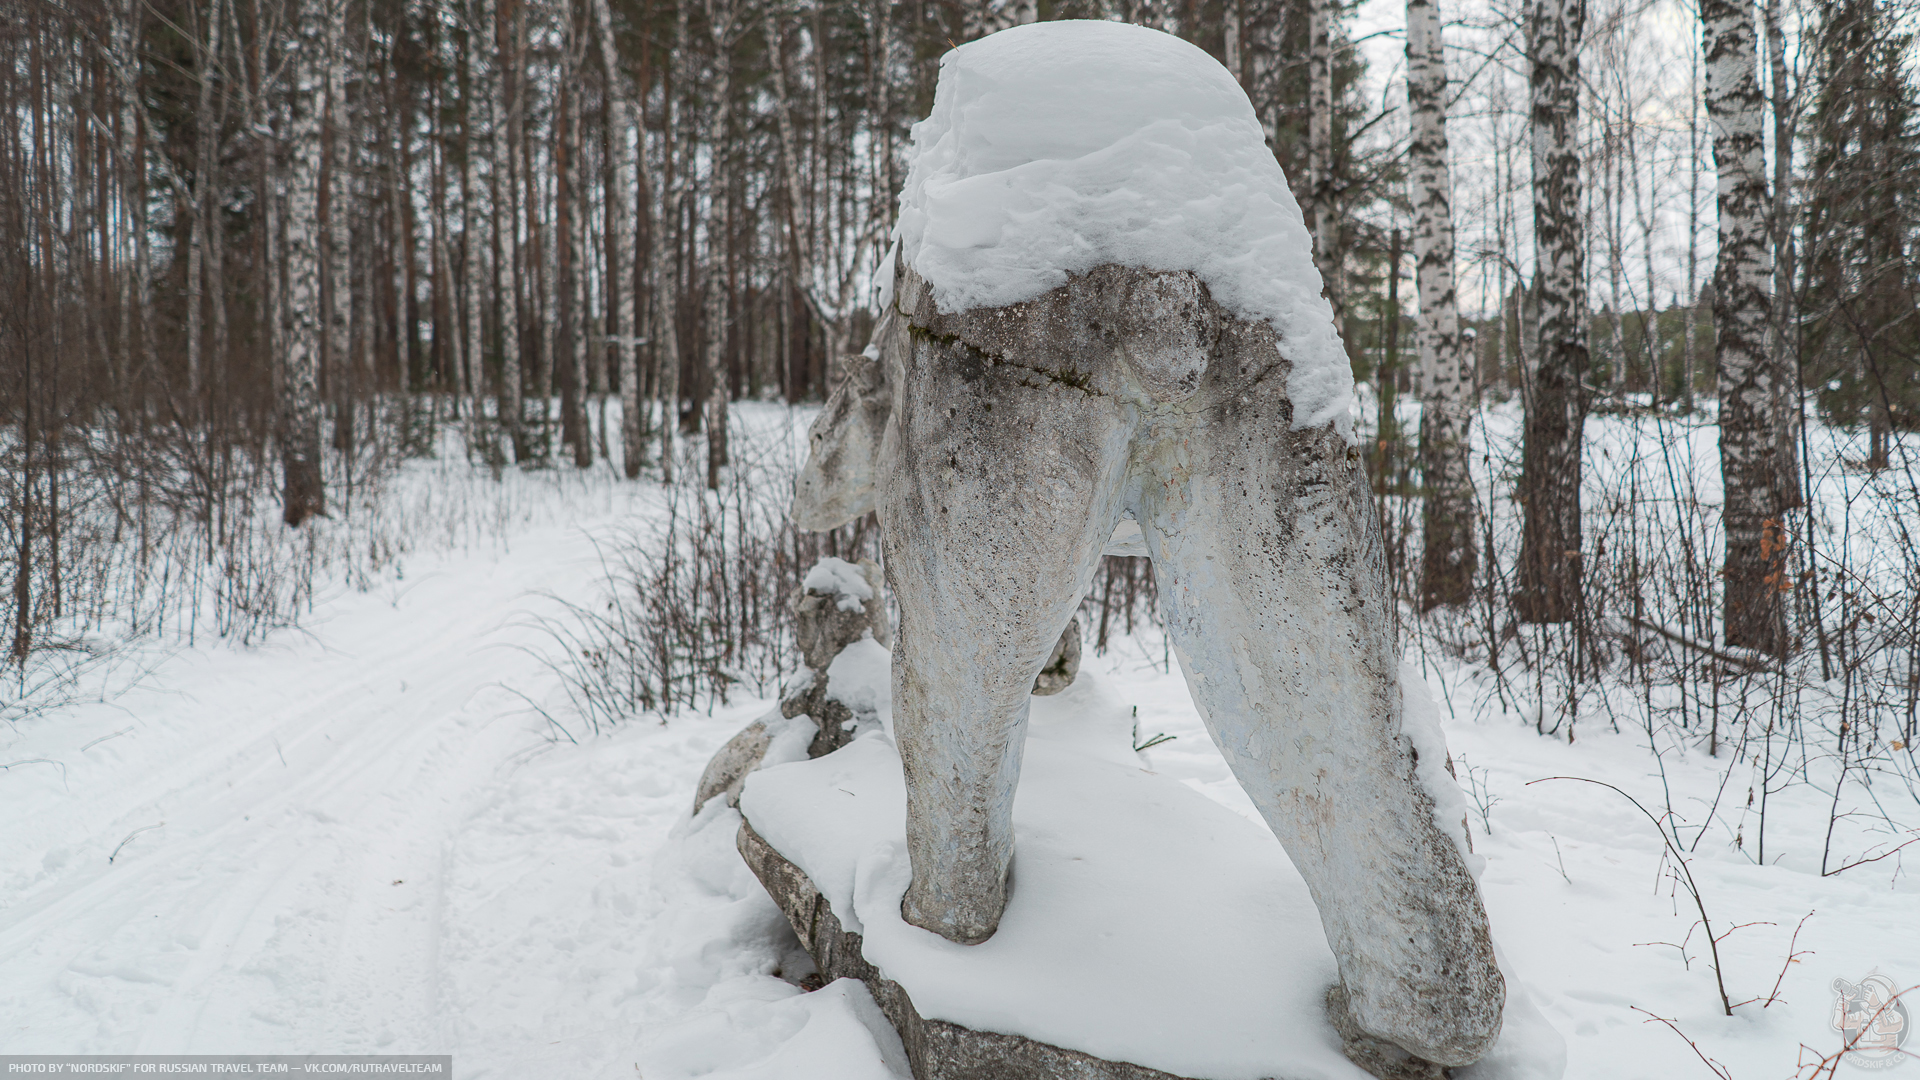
[[285, 824]]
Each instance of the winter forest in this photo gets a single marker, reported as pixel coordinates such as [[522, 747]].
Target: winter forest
[[400, 395]]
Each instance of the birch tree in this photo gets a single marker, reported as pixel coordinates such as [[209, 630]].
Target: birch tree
[[620, 241], [507, 255], [1327, 250], [303, 493], [725, 29], [1749, 426], [675, 151], [1448, 559], [1556, 398], [473, 224]]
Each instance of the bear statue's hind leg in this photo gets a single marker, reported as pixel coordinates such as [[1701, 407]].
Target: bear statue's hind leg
[[1270, 570]]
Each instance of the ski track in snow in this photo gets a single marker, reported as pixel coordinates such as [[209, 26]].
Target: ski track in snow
[[369, 845]]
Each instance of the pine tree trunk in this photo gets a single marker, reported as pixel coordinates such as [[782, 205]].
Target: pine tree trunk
[[144, 357], [1782, 349], [474, 269], [543, 244], [1231, 20], [1387, 382], [1556, 402], [799, 256], [336, 226], [579, 320], [1649, 315], [1449, 557], [1742, 310], [303, 495], [570, 358], [1692, 309], [205, 166], [1610, 184]]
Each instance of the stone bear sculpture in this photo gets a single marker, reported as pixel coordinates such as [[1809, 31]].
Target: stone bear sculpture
[[1005, 442], [1007, 450]]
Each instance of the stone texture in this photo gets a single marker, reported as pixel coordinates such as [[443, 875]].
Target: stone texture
[[938, 1050], [1017, 443], [837, 483], [728, 769], [1382, 1059], [833, 716], [1020, 437], [1062, 664], [822, 628]]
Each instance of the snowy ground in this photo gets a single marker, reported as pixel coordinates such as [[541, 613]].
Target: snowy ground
[[359, 838]]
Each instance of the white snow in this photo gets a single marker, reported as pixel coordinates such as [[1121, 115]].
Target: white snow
[[558, 913], [1057, 147], [861, 678], [764, 1031], [1420, 722], [1146, 923], [838, 577]]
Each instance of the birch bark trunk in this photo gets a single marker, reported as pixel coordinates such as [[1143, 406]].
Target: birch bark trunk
[[506, 230], [1327, 251], [620, 243], [1556, 399], [1742, 311], [675, 151], [720, 14], [303, 494], [1449, 557]]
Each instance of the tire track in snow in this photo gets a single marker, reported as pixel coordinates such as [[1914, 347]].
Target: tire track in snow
[[272, 884]]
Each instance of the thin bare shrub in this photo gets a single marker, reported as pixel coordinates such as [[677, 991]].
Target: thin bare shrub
[[695, 600]]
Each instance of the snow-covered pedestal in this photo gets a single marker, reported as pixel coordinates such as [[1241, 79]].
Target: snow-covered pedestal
[[1124, 951], [1150, 931]]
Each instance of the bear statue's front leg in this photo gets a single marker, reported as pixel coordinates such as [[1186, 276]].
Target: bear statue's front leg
[[999, 499]]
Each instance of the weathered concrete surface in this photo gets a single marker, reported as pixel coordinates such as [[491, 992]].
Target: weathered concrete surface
[[826, 622], [840, 479], [823, 626], [847, 452], [938, 1050], [727, 770], [1382, 1059], [1019, 439], [1063, 663]]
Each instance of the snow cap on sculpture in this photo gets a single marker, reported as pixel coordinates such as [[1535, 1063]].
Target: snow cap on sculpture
[[1058, 147]]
